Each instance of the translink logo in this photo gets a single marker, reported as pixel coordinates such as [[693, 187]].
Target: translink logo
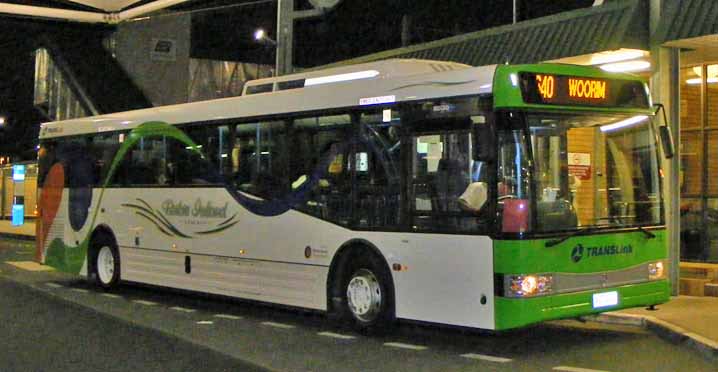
[[579, 251]]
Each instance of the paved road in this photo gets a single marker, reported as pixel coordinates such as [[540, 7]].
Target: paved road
[[150, 320], [41, 333]]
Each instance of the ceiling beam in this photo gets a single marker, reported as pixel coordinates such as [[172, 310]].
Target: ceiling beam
[[53, 13], [86, 17], [147, 8], [107, 5]]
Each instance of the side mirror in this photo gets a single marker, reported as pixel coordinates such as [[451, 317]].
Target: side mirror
[[664, 132], [666, 140], [484, 145]]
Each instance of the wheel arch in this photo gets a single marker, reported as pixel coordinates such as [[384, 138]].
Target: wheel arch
[[93, 247], [339, 264]]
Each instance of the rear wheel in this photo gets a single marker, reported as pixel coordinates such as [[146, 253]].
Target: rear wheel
[[368, 296], [107, 264]]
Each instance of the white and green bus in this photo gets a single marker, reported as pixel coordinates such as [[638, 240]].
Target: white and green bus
[[489, 197]]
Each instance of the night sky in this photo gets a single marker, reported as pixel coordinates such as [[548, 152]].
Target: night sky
[[352, 29]]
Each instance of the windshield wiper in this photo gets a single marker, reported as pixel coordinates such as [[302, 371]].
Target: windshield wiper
[[562, 239], [553, 242], [649, 235]]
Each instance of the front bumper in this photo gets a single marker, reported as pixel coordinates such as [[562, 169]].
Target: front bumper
[[518, 312]]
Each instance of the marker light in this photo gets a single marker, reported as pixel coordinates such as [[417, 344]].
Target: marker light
[[623, 123], [341, 77], [259, 34], [656, 270], [514, 79], [528, 285]]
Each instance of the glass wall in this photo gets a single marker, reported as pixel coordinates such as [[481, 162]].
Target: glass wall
[[699, 175]]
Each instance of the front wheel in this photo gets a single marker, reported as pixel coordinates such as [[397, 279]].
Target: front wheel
[[107, 266], [368, 297]]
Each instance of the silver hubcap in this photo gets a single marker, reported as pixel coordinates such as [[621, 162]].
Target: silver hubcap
[[105, 265], [364, 295]]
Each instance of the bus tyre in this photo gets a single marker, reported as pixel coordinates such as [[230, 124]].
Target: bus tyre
[[368, 298], [107, 264]]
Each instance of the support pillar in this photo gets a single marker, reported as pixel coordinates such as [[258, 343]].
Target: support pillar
[[286, 15], [665, 90]]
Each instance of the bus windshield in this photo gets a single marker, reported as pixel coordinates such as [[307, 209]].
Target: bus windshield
[[594, 171]]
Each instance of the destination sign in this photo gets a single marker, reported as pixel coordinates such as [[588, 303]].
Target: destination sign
[[565, 90]]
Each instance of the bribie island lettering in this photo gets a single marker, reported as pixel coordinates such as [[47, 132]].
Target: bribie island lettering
[[172, 208], [199, 209], [208, 210]]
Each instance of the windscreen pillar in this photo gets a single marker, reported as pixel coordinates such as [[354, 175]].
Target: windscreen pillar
[[665, 90]]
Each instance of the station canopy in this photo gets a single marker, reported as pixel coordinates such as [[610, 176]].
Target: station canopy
[[85, 11]]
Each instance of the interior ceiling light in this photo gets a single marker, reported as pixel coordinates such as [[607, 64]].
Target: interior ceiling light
[[712, 70], [616, 56], [627, 66], [698, 70], [697, 81]]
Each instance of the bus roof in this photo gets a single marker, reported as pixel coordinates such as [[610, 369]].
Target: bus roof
[[389, 81], [383, 82]]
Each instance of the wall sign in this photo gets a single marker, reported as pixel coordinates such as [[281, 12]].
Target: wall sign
[[579, 165], [163, 50]]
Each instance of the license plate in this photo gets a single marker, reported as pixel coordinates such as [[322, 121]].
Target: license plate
[[605, 299]]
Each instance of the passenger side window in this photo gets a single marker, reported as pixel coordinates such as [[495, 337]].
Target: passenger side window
[[259, 159], [78, 163], [164, 161], [186, 166], [103, 150], [448, 189], [321, 168], [378, 169], [143, 164]]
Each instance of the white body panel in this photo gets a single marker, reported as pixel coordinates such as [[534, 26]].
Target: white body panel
[[443, 277], [262, 258]]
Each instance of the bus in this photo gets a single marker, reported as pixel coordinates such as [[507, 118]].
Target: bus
[[488, 197]]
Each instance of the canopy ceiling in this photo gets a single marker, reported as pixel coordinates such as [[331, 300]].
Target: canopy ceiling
[[87, 11], [105, 5]]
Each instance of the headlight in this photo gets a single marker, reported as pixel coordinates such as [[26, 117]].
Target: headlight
[[657, 270], [527, 285]]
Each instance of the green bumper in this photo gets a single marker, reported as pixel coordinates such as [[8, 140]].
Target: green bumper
[[518, 312]]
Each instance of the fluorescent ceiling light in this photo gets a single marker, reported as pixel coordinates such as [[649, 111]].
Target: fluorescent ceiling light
[[341, 77], [712, 70], [623, 123], [629, 66], [616, 56], [697, 81]]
